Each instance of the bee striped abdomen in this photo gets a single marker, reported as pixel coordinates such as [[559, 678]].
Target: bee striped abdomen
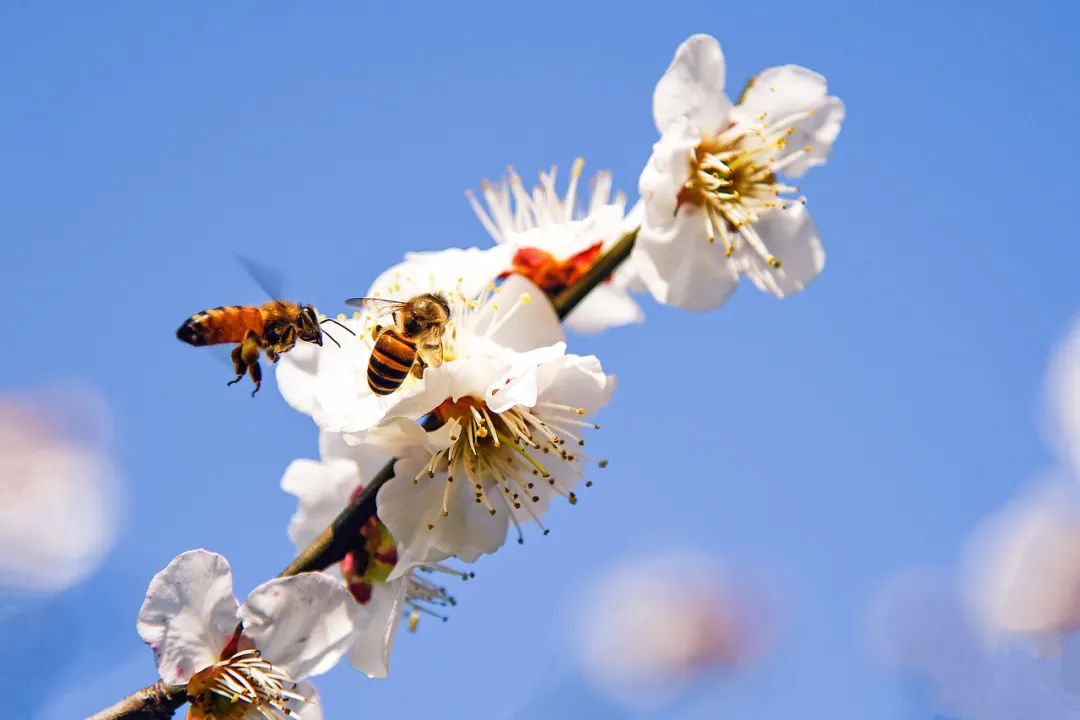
[[391, 360], [221, 325]]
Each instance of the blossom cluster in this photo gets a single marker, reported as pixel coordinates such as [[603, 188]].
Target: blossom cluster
[[487, 427]]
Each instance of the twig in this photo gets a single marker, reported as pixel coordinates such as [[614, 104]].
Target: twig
[[156, 702]]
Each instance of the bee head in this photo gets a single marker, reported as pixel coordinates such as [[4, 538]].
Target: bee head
[[426, 311], [307, 325]]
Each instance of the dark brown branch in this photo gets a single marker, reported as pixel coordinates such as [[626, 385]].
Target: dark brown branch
[[156, 702]]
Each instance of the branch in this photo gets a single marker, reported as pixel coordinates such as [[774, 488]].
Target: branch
[[338, 539], [156, 702]]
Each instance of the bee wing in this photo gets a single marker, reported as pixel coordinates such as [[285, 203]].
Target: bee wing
[[268, 278], [380, 307]]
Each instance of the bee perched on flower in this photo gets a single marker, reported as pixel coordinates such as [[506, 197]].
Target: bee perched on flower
[[716, 206], [241, 662]]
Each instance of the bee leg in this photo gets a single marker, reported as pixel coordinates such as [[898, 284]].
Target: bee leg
[[238, 365], [255, 371], [287, 343], [246, 358], [418, 368]]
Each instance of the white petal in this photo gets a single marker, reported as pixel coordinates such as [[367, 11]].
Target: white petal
[[369, 460], [791, 236], [466, 271], [533, 325], [681, 267], [323, 490], [395, 437], [693, 86], [666, 172], [605, 307], [377, 628], [518, 384], [785, 95], [189, 614], [576, 381], [468, 530], [302, 624]]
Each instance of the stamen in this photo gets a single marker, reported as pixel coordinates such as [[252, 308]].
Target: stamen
[[245, 679]]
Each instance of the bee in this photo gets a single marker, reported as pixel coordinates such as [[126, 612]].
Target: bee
[[411, 344], [272, 328]]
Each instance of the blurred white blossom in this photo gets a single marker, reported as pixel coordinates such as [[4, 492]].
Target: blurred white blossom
[[655, 624], [552, 241], [323, 488], [715, 205], [59, 492], [1063, 397], [924, 632], [1023, 571], [293, 627]]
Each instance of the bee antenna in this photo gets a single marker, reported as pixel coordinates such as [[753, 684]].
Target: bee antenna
[[343, 327], [331, 337]]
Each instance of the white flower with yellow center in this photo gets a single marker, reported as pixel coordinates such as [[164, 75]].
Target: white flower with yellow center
[[244, 662], [323, 488], [511, 438], [716, 205], [553, 241]]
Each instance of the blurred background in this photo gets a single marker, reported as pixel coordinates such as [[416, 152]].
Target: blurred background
[[834, 451]]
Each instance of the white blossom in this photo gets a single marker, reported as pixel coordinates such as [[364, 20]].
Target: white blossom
[[510, 440], [553, 241], [292, 628], [324, 488], [715, 204]]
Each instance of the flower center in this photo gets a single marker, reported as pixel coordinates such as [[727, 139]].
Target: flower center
[[505, 455], [229, 689], [371, 562], [375, 558], [549, 273], [733, 179]]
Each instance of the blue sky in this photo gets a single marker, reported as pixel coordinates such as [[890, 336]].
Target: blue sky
[[829, 439]]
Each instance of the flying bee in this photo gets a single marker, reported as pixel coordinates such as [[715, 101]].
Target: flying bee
[[411, 344], [272, 328]]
